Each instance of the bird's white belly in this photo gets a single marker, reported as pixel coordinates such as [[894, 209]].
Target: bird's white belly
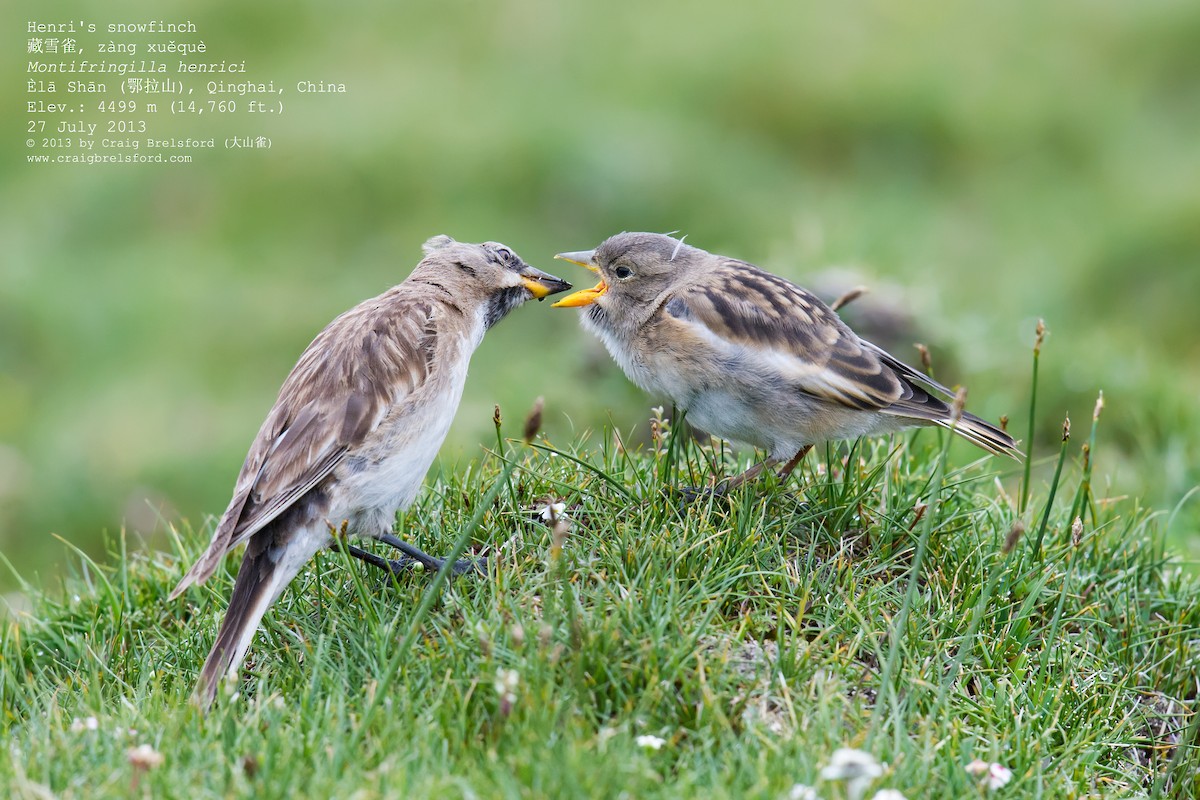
[[378, 486], [744, 395], [784, 423], [394, 480], [727, 416]]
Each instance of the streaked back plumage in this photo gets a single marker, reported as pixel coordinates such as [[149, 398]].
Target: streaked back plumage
[[753, 356], [355, 427]]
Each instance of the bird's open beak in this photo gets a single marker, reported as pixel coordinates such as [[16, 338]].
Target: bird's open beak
[[585, 297], [542, 284]]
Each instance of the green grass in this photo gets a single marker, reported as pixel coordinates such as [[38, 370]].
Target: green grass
[[755, 634], [977, 166]]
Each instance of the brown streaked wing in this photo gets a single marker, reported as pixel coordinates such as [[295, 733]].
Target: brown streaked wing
[[744, 305], [360, 366]]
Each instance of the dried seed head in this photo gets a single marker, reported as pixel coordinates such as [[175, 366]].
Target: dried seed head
[[1004, 422], [960, 401], [926, 359], [1003, 495], [496, 419], [1066, 427], [849, 297], [558, 537], [1041, 336], [485, 641], [1099, 407], [1014, 535], [1076, 532], [918, 512], [533, 422]]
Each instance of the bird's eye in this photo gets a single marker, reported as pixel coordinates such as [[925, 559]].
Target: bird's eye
[[506, 256], [622, 272]]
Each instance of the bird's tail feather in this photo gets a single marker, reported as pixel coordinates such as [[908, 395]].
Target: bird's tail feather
[[253, 592], [267, 568], [984, 434], [929, 409], [222, 541], [924, 404]]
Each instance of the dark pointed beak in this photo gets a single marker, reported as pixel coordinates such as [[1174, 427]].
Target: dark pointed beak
[[542, 284]]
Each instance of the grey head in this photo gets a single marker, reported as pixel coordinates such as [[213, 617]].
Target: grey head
[[636, 270], [488, 275]]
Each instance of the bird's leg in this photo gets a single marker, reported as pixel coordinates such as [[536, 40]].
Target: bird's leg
[[726, 486], [729, 484], [361, 555], [794, 462], [412, 556], [411, 559]]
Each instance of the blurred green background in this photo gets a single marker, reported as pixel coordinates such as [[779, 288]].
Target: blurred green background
[[979, 166]]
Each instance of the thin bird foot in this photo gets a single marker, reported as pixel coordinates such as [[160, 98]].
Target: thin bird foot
[[406, 564], [691, 494], [414, 556]]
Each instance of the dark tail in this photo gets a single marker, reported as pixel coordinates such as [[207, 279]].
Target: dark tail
[[923, 403], [984, 434], [258, 582]]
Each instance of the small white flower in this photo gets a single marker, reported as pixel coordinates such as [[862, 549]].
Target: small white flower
[[802, 792], [144, 757], [888, 794], [994, 775], [998, 775], [553, 511], [856, 768], [506, 683], [86, 724], [848, 764], [650, 742]]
